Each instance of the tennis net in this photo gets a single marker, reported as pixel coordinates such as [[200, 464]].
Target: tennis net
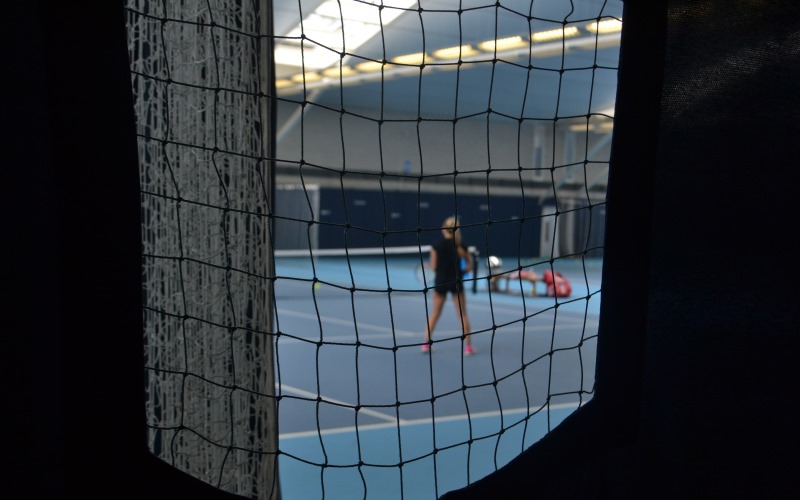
[[331, 272]]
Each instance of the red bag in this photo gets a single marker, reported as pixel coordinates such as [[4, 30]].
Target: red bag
[[557, 284]]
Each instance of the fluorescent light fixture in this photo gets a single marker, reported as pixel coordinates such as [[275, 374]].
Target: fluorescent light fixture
[[335, 27], [455, 53], [369, 66], [412, 59], [336, 71], [556, 34], [606, 26], [308, 76], [501, 44], [602, 127]]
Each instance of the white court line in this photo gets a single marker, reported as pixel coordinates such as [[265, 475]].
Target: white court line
[[421, 421], [312, 395], [495, 307], [361, 325], [387, 332], [498, 308]]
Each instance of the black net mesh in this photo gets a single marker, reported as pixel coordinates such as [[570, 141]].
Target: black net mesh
[[299, 163]]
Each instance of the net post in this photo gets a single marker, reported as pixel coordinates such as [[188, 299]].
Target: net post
[[269, 475]]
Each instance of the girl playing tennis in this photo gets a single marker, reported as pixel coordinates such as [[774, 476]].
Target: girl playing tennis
[[445, 260]]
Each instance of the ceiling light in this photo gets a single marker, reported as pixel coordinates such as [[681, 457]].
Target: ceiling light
[[606, 26], [501, 44], [335, 27], [369, 66], [307, 77], [455, 53], [602, 127], [412, 59], [336, 71], [556, 34]]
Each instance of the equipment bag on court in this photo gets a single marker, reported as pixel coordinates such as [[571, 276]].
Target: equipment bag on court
[[557, 284]]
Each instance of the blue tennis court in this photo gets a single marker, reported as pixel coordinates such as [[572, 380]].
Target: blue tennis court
[[361, 405]]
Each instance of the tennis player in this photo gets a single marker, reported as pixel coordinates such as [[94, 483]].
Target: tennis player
[[446, 261]]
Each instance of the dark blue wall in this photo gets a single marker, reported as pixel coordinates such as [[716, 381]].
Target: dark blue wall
[[496, 225]]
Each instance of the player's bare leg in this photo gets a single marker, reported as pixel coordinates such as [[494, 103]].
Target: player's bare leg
[[460, 301], [433, 318]]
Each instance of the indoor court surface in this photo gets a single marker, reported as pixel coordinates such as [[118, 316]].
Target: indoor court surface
[[373, 374]]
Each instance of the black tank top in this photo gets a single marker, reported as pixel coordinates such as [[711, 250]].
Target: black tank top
[[448, 262]]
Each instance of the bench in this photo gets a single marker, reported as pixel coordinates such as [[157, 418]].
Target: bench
[[510, 276]]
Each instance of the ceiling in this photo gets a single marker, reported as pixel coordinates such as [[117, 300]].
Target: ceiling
[[565, 77]]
